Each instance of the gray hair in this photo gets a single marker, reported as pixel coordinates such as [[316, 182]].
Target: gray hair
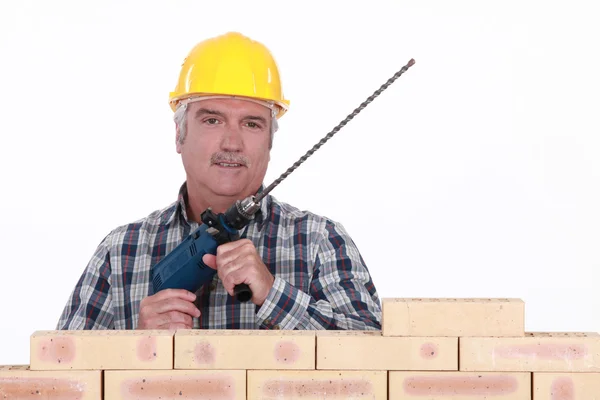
[[180, 118]]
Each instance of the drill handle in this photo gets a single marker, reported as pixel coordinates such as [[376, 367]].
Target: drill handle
[[242, 292]]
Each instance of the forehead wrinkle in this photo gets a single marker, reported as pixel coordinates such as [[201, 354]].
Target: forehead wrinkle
[[201, 111], [255, 118], [209, 111]]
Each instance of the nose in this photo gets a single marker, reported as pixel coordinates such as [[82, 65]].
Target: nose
[[232, 139]]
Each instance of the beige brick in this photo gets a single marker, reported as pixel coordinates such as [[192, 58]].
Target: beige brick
[[535, 352], [101, 349], [566, 386], [317, 385], [175, 384], [370, 350], [453, 317], [452, 385], [19, 382], [244, 349]]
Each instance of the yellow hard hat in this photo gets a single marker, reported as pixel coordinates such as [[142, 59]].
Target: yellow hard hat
[[232, 65]]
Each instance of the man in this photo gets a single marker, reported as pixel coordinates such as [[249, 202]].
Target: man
[[304, 270]]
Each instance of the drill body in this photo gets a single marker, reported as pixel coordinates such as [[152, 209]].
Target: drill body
[[183, 267]]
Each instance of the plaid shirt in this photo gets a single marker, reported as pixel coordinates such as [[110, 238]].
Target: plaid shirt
[[321, 281]]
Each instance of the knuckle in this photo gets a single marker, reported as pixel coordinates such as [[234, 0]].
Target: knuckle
[[234, 278], [252, 273], [144, 303], [221, 275], [229, 281], [247, 246], [143, 311], [222, 249], [174, 316]]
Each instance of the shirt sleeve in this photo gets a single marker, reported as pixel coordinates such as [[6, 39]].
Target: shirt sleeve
[[90, 303], [342, 295]]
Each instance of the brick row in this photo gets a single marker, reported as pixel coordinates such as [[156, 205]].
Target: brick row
[[20, 382], [306, 350], [246, 349]]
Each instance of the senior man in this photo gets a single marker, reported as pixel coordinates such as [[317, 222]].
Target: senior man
[[304, 270]]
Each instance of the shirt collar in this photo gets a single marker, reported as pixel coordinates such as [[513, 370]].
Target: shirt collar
[[180, 208]]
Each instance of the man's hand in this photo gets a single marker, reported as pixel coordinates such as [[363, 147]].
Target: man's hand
[[238, 262], [168, 309]]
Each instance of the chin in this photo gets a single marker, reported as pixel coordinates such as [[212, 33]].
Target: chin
[[229, 190]]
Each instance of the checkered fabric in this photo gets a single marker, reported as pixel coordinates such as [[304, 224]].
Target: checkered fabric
[[321, 280]]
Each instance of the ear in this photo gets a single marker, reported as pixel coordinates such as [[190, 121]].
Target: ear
[[177, 144]]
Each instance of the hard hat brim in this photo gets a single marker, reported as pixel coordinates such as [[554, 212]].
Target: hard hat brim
[[282, 105]]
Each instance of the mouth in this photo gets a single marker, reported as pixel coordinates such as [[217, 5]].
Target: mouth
[[228, 165]]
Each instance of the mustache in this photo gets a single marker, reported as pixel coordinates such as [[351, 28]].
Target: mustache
[[228, 157]]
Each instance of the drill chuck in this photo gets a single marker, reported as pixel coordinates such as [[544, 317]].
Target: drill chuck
[[240, 213]]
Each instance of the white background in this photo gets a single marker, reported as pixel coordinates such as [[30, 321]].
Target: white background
[[477, 173]]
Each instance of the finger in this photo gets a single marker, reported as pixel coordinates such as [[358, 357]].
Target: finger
[[210, 261], [233, 247], [171, 293], [173, 327], [173, 317], [235, 278], [237, 258], [225, 247], [176, 304], [230, 267], [226, 270], [243, 260], [243, 268], [179, 317]]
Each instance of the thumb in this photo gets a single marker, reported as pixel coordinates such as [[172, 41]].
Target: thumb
[[210, 261]]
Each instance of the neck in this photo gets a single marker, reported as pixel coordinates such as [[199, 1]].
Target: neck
[[199, 200]]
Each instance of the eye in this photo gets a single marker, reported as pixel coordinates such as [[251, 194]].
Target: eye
[[253, 125], [212, 121]]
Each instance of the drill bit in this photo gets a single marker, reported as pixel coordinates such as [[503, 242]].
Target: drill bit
[[357, 110]]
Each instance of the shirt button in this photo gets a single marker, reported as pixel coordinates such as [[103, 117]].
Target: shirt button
[[276, 327]]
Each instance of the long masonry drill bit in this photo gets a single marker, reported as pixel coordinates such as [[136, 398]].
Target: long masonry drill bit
[[334, 131]]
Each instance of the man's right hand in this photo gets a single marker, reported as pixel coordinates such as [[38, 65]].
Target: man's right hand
[[168, 309]]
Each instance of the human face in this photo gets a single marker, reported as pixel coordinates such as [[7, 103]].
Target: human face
[[226, 149]]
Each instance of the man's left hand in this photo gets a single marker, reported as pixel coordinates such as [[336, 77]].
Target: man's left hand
[[238, 262]]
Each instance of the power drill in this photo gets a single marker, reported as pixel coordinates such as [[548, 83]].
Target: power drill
[[183, 268]]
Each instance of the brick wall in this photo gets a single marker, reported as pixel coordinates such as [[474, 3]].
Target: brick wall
[[428, 349]]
